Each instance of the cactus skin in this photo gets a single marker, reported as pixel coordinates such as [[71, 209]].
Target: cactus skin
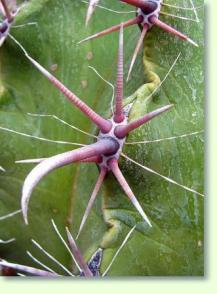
[[179, 217]]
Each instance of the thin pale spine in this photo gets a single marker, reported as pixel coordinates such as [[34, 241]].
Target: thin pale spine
[[169, 180], [99, 182], [78, 255], [113, 164], [137, 49], [64, 243], [119, 250], [90, 11], [2, 169], [53, 116], [181, 8], [40, 263], [40, 138], [178, 16], [9, 215], [165, 139], [7, 241], [51, 257]]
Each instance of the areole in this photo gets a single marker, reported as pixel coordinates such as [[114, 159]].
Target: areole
[[148, 12]]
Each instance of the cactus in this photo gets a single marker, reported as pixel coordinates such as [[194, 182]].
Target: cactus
[[174, 244]]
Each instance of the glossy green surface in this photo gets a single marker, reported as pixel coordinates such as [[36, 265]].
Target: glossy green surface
[[174, 246]]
